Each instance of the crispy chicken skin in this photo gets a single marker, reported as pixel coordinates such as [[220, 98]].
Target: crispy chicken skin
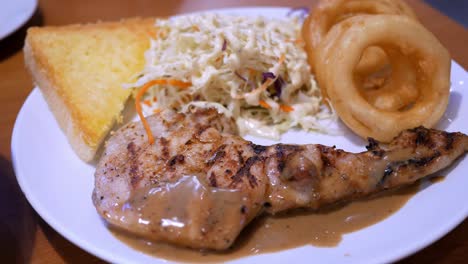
[[200, 184]]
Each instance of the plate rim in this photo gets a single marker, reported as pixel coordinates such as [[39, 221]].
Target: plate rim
[[32, 5], [416, 246]]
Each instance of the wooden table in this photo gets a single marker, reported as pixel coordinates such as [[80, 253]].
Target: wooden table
[[24, 237]]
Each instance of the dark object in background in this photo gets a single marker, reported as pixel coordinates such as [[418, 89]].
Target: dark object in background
[[455, 9]]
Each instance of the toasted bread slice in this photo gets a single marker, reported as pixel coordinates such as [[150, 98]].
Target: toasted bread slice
[[80, 70]]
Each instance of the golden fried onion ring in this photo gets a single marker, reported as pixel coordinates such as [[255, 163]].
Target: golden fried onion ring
[[395, 88], [341, 52], [329, 12]]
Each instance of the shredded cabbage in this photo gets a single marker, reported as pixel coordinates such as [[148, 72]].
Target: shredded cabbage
[[253, 68]]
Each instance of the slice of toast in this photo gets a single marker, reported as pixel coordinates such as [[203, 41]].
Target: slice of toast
[[80, 70]]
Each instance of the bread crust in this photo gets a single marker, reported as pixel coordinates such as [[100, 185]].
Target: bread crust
[[57, 105]]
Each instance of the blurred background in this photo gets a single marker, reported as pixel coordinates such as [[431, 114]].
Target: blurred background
[[456, 9]]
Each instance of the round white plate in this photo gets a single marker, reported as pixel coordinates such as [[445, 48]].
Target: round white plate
[[59, 185], [13, 14]]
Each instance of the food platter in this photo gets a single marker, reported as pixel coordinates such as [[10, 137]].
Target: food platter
[[59, 185], [13, 14]]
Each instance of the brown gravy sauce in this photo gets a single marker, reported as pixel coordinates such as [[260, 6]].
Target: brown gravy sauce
[[436, 179], [324, 228]]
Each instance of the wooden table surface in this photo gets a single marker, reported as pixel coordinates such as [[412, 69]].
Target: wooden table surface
[[24, 237]]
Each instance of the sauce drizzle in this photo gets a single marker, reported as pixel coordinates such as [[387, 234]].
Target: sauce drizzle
[[323, 228]]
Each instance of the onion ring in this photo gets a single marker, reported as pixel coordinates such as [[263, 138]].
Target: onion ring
[[394, 34], [394, 90], [329, 12]]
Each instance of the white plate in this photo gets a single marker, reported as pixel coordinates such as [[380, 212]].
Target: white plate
[[58, 185], [13, 14]]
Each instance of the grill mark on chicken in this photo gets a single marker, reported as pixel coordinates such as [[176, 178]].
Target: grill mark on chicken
[[415, 163], [165, 148], [134, 177], [239, 180], [282, 152], [240, 158], [213, 182], [421, 162], [200, 129], [327, 160], [244, 171], [280, 157], [133, 171], [258, 149], [177, 159], [422, 137], [449, 142], [131, 149], [374, 147], [218, 154], [372, 144]]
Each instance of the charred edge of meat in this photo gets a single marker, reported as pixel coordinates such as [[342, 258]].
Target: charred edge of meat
[[164, 147], [373, 144], [420, 162], [423, 137], [449, 138], [199, 129], [324, 151], [131, 148], [415, 162], [374, 147], [213, 116], [240, 157], [209, 113], [219, 153], [200, 111], [212, 178], [258, 149], [244, 171], [176, 159], [282, 151]]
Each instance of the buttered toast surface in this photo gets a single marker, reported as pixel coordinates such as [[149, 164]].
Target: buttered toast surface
[[80, 70]]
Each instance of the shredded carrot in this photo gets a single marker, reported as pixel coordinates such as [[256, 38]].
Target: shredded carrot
[[143, 90], [251, 71], [180, 84], [196, 28], [264, 104], [281, 59], [155, 99], [264, 85], [147, 102], [286, 108], [157, 111], [261, 88]]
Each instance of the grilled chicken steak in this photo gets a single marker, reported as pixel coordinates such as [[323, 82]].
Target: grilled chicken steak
[[200, 184]]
